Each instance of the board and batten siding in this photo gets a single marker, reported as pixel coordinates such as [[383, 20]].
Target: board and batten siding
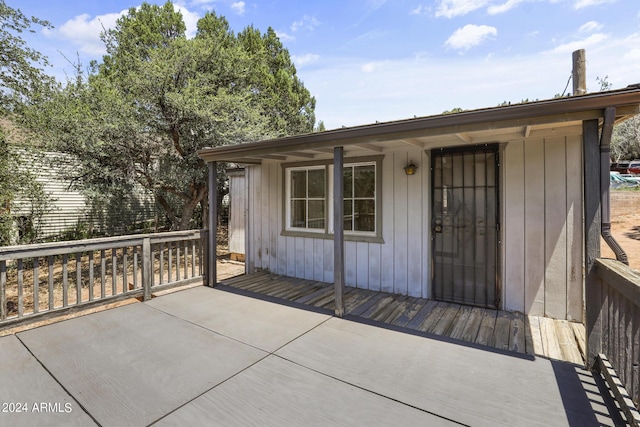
[[237, 210], [541, 234], [399, 265], [542, 227]]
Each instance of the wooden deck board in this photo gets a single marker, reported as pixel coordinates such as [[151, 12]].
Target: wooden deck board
[[473, 325], [532, 323], [459, 324], [567, 342], [445, 324], [410, 309], [517, 339], [549, 339], [487, 324], [431, 320], [504, 330]]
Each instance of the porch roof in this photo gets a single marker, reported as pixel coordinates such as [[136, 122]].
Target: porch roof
[[206, 356], [560, 116]]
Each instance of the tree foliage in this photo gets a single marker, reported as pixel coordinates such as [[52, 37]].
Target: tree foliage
[[22, 77], [23, 201], [625, 143], [22, 80], [158, 97]]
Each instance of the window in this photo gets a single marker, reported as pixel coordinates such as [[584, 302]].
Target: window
[[360, 198], [308, 200]]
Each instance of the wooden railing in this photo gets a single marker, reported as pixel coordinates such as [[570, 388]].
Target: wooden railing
[[47, 279], [615, 337]]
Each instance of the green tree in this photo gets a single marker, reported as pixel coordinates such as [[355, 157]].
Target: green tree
[[158, 97], [22, 80], [22, 77], [625, 143], [23, 201]]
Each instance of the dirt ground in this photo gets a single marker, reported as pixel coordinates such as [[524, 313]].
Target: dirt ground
[[625, 226]]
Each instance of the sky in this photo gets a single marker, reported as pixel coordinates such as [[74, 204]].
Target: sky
[[368, 61]]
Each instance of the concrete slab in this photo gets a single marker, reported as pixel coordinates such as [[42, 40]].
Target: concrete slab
[[29, 396], [134, 364], [262, 324], [275, 392], [470, 385]]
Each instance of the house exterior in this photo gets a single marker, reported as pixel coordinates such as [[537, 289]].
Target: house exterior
[[70, 211], [487, 207]]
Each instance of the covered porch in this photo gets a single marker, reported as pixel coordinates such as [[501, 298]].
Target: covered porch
[[204, 356], [485, 328]]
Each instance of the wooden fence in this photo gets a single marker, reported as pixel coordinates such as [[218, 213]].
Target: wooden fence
[[51, 278], [616, 335]]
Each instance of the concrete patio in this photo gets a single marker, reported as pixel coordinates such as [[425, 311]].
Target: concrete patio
[[204, 356]]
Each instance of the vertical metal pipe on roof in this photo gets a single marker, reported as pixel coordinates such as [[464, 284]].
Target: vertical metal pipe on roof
[[338, 230], [212, 225]]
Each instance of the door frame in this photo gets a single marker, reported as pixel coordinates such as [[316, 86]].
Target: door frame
[[495, 148]]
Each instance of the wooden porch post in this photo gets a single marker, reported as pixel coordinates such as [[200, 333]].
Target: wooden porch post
[[212, 243], [592, 226], [338, 230]]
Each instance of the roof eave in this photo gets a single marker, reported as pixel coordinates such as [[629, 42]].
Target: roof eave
[[584, 107]]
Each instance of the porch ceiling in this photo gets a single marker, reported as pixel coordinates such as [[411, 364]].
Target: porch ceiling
[[562, 116]]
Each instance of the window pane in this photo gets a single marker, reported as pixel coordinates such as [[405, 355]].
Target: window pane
[[364, 181], [298, 213], [316, 183], [364, 215], [316, 214], [299, 184], [348, 215], [348, 182]]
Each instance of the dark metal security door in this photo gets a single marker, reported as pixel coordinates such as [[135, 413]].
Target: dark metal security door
[[465, 225]]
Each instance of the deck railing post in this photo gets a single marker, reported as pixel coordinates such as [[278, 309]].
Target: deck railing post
[[147, 270], [592, 217]]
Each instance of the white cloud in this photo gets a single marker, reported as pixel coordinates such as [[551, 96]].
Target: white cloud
[[579, 4], [420, 10], [371, 67], [589, 27], [469, 36], [238, 7], [190, 19], [451, 8], [84, 32], [402, 88], [633, 55], [307, 22], [591, 41], [504, 7], [284, 36], [301, 61]]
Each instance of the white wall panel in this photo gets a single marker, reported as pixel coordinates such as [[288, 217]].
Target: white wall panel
[[541, 191]]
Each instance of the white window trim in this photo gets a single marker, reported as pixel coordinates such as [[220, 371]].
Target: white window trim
[[288, 226], [330, 228], [328, 231]]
